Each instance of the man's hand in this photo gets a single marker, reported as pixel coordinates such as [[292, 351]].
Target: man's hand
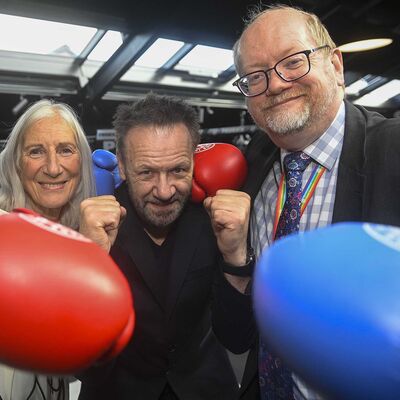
[[229, 211], [100, 218]]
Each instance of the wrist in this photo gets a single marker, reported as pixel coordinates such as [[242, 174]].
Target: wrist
[[245, 269], [236, 256]]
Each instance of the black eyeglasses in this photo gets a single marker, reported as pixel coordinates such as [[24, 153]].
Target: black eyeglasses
[[289, 69]]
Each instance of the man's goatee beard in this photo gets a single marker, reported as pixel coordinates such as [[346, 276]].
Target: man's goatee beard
[[285, 124]]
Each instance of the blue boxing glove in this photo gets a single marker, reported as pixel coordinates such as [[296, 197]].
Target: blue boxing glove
[[327, 302], [106, 173]]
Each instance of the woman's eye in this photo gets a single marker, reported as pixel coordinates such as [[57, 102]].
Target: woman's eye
[[66, 151], [35, 152]]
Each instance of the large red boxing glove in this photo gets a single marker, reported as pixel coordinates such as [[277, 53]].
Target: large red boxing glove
[[217, 166], [64, 304]]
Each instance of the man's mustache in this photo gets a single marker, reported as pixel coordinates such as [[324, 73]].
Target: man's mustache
[[159, 202], [279, 98]]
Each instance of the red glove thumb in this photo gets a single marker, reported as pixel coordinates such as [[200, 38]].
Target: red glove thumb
[[64, 304], [217, 166]]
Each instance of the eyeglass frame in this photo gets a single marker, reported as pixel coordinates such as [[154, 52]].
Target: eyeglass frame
[[265, 72]]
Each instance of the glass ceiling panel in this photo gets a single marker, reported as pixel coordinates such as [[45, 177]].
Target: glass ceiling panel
[[42, 37], [206, 60], [159, 53], [356, 87], [106, 47], [367, 81], [378, 96]]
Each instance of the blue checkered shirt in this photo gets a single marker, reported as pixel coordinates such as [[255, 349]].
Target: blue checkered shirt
[[326, 152]]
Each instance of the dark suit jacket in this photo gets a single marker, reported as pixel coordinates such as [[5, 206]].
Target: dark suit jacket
[[172, 341], [368, 189]]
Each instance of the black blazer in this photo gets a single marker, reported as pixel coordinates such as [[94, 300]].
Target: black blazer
[[368, 189], [173, 341]]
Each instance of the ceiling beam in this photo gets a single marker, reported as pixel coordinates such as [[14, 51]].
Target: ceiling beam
[[94, 41], [112, 70]]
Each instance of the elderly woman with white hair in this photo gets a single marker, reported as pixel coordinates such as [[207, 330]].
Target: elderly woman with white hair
[[46, 167]]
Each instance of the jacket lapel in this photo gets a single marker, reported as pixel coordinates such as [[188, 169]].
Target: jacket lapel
[[260, 157], [350, 181]]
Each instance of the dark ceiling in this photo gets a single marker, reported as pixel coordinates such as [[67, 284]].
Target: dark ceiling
[[218, 23]]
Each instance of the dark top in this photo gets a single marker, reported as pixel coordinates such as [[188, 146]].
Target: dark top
[[163, 256], [173, 341]]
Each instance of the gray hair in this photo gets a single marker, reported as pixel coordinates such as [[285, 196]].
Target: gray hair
[[155, 110], [12, 193], [314, 25]]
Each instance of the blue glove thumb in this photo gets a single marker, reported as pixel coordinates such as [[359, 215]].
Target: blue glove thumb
[[105, 170]]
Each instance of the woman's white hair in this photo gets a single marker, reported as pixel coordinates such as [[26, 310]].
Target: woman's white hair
[[12, 194]]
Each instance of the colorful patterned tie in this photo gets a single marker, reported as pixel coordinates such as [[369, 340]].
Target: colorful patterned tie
[[275, 380], [289, 221]]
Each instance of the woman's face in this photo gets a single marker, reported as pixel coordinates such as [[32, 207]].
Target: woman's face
[[50, 165]]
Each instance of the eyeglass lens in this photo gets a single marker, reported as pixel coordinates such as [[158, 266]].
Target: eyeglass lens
[[288, 69]]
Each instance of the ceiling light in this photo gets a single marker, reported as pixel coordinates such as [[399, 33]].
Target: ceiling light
[[364, 45]]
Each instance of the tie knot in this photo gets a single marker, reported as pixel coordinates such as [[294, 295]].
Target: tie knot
[[296, 161]]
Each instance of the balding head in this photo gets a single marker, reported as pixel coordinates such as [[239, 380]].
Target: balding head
[[294, 16]]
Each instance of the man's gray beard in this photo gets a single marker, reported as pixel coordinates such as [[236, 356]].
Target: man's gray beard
[[285, 124], [161, 219], [288, 123]]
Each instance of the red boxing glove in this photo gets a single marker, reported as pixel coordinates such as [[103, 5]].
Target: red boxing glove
[[217, 166], [64, 304]]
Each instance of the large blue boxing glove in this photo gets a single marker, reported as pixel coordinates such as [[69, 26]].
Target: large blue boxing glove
[[105, 170], [328, 303]]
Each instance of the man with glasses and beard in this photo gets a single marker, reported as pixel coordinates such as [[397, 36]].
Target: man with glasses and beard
[[167, 250], [291, 74]]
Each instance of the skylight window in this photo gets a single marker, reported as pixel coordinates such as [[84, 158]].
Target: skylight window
[[42, 37], [106, 47], [356, 87], [206, 60], [378, 96], [369, 81], [159, 53]]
